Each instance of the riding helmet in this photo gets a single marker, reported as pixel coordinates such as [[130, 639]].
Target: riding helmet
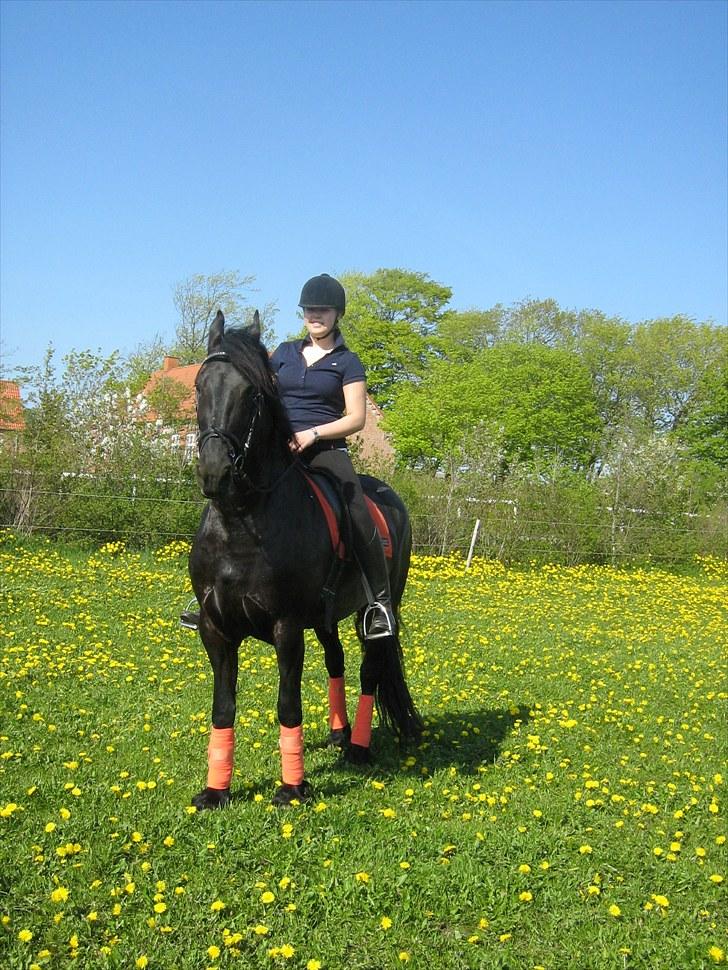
[[323, 290]]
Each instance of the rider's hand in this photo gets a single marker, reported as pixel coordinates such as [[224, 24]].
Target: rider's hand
[[302, 440]]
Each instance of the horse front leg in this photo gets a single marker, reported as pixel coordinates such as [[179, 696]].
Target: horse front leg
[[223, 656], [339, 727], [289, 651]]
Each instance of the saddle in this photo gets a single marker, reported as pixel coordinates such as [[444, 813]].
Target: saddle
[[327, 490]]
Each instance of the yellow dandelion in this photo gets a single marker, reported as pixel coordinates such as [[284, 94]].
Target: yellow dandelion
[[716, 878], [385, 922], [213, 952], [614, 910], [716, 954], [217, 906], [267, 897], [287, 951], [362, 877], [404, 956], [25, 936], [59, 895], [141, 962], [313, 965], [525, 896], [260, 930]]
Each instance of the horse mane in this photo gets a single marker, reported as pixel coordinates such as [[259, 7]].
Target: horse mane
[[250, 358]]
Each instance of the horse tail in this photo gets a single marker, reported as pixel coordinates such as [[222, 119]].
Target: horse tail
[[395, 706]]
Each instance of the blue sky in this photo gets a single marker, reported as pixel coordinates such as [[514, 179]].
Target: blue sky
[[567, 150]]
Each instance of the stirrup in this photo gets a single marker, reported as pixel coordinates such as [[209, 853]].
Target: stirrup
[[190, 619], [378, 622]]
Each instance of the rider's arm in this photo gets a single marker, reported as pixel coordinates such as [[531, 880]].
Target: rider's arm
[[355, 401]]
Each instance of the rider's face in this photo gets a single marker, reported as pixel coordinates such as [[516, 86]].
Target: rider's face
[[319, 320]]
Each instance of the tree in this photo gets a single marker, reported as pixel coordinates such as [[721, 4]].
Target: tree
[[705, 429], [535, 401], [198, 298], [671, 355], [462, 333], [391, 323]]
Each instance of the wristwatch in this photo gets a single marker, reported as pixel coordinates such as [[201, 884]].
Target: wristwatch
[[315, 433]]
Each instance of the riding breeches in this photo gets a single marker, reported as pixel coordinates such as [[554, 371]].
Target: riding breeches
[[367, 544]]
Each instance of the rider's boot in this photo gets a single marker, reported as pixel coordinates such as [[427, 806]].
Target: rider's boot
[[379, 619]]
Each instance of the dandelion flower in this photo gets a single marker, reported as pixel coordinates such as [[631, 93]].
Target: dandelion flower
[[213, 952], [267, 897], [614, 910], [217, 906], [141, 962], [385, 922], [404, 956], [25, 936], [313, 965], [287, 951], [59, 895], [716, 878], [525, 896], [260, 930], [716, 954]]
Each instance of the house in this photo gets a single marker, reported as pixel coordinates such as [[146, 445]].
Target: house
[[371, 444], [12, 416]]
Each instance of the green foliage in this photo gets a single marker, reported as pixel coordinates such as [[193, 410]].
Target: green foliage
[[391, 318], [705, 429], [531, 399]]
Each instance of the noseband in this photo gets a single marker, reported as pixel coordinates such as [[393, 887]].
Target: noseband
[[237, 453]]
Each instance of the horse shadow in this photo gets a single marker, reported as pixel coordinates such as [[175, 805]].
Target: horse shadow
[[467, 741]]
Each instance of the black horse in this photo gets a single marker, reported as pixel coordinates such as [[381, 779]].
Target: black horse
[[261, 559]]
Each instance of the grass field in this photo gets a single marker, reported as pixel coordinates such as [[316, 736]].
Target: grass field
[[566, 808]]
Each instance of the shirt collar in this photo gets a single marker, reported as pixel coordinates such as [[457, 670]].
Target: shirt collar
[[338, 342]]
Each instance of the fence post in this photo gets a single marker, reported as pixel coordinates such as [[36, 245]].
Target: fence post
[[472, 544]]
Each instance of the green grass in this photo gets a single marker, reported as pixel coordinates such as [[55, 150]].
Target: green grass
[[575, 726]]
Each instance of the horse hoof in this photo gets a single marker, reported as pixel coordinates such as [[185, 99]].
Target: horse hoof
[[355, 754], [287, 794], [211, 798], [340, 738]]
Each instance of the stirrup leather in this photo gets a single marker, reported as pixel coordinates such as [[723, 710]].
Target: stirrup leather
[[377, 612]]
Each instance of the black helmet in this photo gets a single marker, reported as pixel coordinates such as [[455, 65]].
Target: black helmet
[[323, 290]]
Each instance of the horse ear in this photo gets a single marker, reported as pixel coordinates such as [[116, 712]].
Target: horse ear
[[217, 329], [254, 326]]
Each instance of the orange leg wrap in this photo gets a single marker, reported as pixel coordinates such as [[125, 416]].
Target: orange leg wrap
[[291, 745], [362, 731], [220, 753], [337, 704]]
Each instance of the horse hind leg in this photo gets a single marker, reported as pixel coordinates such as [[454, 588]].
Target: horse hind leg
[[339, 727], [382, 679]]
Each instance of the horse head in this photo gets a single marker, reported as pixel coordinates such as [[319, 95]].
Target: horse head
[[230, 387]]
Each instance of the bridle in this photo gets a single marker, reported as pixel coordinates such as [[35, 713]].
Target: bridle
[[237, 452]]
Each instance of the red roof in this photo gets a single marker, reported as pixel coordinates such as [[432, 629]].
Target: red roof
[[11, 407]]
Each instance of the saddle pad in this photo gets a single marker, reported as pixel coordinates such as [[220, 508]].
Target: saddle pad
[[333, 524]]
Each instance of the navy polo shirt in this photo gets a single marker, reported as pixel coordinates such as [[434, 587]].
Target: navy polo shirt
[[314, 394]]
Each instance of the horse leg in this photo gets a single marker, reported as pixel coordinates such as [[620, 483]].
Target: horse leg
[[359, 751], [223, 656], [289, 651], [339, 727]]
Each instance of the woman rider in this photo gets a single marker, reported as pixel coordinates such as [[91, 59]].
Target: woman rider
[[322, 385]]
